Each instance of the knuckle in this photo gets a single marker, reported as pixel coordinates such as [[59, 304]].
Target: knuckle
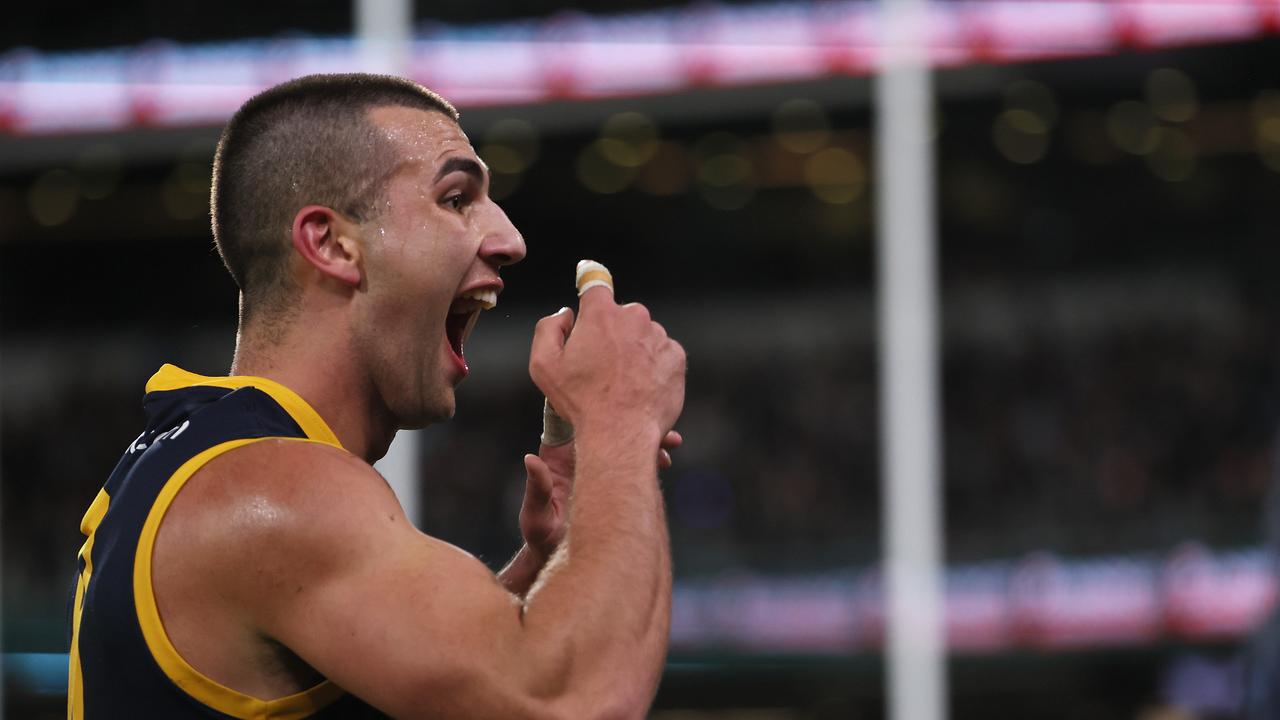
[[637, 310]]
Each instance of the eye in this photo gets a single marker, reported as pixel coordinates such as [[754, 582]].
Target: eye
[[456, 201]]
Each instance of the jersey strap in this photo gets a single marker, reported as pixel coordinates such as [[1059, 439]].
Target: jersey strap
[[179, 671]]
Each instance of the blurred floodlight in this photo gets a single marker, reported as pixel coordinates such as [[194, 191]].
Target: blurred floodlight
[[1021, 136], [1172, 95], [1033, 98], [629, 139], [600, 175], [1266, 120], [835, 175], [53, 197], [801, 126], [98, 168], [506, 166], [1132, 126], [502, 159], [519, 136], [667, 172], [724, 170], [510, 147], [1269, 132], [1174, 156], [725, 175]]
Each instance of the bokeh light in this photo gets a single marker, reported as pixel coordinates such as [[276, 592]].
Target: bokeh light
[[1266, 122], [1021, 132], [53, 197], [1174, 156], [1133, 127], [510, 147], [726, 176], [628, 139], [1033, 98], [835, 175], [1021, 136], [599, 174], [1172, 95], [801, 126], [519, 140]]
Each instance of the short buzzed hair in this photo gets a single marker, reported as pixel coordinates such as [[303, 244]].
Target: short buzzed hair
[[309, 141]]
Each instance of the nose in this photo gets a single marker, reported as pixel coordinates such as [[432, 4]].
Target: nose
[[503, 244]]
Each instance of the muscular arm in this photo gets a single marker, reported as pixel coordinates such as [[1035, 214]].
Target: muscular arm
[[418, 628], [620, 381], [618, 538]]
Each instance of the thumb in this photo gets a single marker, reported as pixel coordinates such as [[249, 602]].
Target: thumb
[[539, 484], [596, 298]]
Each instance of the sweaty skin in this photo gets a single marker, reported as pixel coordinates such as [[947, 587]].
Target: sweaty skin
[[283, 562]]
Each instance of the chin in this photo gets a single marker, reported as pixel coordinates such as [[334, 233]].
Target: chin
[[427, 413]]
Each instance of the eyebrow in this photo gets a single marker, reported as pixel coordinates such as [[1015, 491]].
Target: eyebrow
[[466, 165]]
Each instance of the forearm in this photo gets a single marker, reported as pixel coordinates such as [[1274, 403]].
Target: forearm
[[606, 597]]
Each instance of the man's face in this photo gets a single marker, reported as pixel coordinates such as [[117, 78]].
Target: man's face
[[435, 244]]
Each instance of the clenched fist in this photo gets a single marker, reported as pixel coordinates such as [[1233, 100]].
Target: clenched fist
[[618, 370]]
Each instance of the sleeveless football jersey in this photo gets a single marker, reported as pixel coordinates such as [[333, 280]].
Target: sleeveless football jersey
[[123, 665]]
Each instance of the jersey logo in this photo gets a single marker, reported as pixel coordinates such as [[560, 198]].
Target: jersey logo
[[173, 432]]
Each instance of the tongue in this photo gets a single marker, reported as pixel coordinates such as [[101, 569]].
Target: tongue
[[454, 326]]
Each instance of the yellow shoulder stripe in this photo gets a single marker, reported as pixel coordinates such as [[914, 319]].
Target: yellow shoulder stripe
[[172, 377]]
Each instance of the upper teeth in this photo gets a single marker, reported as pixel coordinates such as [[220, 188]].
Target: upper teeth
[[488, 298]]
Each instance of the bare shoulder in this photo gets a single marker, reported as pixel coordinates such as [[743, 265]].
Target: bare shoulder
[[265, 483], [306, 546], [249, 537], [308, 476], [275, 508]]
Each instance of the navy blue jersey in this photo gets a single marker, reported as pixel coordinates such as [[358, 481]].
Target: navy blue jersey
[[123, 665]]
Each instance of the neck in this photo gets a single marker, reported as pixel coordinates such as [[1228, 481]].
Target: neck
[[340, 392]]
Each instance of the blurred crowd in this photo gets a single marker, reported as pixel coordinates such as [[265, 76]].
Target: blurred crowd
[[1122, 431], [1107, 431]]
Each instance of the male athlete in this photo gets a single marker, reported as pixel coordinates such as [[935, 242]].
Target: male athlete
[[244, 560]]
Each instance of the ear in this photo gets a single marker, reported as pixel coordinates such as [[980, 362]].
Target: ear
[[327, 241]]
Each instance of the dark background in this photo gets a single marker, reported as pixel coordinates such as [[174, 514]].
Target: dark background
[[1109, 340]]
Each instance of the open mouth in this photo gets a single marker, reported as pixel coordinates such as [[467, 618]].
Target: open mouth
[[463, 314]]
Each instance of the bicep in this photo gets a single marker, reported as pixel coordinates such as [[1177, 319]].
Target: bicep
[[410, 629], [408, 623]]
